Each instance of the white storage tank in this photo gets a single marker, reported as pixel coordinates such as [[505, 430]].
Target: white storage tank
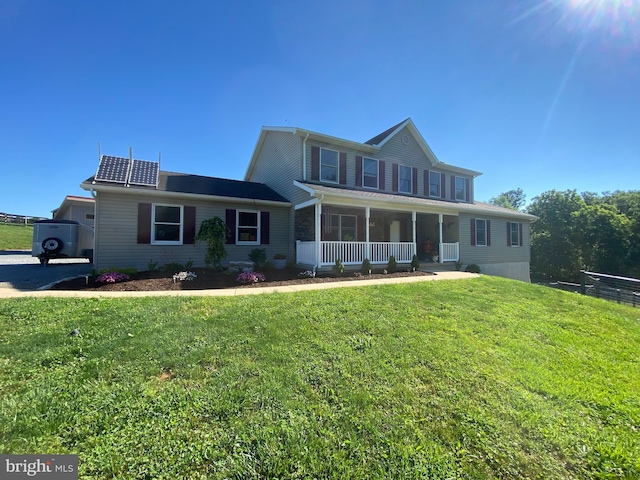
[[61, 239]]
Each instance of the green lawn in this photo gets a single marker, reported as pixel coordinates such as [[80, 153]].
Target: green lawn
[[479, 378], [15, 237]]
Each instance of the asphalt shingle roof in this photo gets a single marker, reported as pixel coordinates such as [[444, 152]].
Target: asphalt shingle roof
[[380, 137]]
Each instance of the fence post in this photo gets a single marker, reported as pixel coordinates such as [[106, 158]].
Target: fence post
[[583, 288]]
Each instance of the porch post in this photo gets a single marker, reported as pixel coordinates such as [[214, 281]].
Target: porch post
[[415, 234], [440, 220], [367, 216], [318, 211]]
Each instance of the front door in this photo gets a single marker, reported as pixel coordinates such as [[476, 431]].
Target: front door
[[394, 231]]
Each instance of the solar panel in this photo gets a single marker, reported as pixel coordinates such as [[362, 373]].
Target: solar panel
[[113, 169], [144, 173]]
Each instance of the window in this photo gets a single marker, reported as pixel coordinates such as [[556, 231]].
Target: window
[[329, 165], [481, 232], [343, 228], [434, 184], [404, 179], [514, 229], [89, 216], [248, 227], [461, 190], [370, 173], [166, 223]]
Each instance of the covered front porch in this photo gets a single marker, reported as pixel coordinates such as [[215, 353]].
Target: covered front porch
[[326, 233]]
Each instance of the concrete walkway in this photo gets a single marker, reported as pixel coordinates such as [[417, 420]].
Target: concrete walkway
[[230, 292]]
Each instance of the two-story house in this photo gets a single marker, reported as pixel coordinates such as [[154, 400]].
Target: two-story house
[[316, 198]]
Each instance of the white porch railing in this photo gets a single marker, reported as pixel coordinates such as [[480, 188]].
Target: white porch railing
[[353, 253], [450, 252]]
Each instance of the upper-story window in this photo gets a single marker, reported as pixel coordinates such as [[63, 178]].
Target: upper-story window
[[370, 173], [329, 165], [435, 186], [461, 189], [404, 179]]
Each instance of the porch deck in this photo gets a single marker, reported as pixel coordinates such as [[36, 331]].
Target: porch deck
[[354, 253]]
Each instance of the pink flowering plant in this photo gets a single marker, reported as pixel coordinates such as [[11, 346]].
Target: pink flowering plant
[[250, 277], [112, 277]]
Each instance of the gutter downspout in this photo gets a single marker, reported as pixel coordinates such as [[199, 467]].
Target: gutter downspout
[[304, 158]]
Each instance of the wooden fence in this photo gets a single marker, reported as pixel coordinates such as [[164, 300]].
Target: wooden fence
[[10, 219]]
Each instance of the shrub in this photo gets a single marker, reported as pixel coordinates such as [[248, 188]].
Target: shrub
[[112, 277], [338, 268], [366, 267], [173, 267], [392, 265], [151, 265], [258, 256], [415, 263], [279, 256], [458, 265], [250, 277], [472, 268]]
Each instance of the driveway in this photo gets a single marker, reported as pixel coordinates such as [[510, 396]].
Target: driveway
[[19, 270]]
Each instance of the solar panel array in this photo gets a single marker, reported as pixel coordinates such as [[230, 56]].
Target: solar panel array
[[127, 172], [144, 173], [113, 169]]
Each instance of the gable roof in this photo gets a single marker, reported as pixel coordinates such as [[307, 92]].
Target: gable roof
[[184, 183], [370, 146], [71, 200]]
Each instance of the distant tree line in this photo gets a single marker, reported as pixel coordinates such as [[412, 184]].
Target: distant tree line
[[599, 232]]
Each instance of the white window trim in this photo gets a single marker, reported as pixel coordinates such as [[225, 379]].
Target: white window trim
[[238, 227], [485, 232], [400, 167], [377, 187], [322, 179], [517, 224], [439, 195], [153, 224], [464, 189]]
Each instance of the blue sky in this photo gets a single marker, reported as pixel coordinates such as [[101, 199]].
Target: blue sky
[[537, 94]]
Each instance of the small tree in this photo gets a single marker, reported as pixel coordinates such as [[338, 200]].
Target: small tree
[[258, 256], [213, 231], [392, 265]]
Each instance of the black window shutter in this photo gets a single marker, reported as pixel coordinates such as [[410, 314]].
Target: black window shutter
[[453, 187], [467, 189], [443, 179], [231, 226], [381, 174], [264, 228], [394, 177], [189, 228], [414, 180], [343, 168], [508, 234], [473, 232], [520, 232], [358, 171], [144, 223], [427, 183], [488, 233], [315, 163]]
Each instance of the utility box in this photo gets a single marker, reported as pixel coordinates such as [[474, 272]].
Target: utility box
[[61, 239]]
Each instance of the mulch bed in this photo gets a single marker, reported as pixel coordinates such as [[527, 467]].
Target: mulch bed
[[210, 279]]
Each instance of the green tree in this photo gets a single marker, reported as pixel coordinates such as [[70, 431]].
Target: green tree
[[513, 199], [214, 231]]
